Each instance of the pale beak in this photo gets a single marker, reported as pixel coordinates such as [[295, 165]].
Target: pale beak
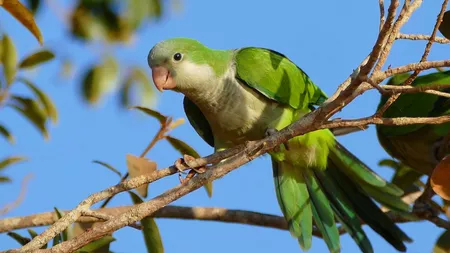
[[162, 78]]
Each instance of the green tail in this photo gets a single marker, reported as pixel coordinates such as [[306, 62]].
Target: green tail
[[343, 192]]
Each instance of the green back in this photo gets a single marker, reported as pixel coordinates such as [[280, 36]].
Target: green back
[[270, 73], [416, 104], [276, 77]]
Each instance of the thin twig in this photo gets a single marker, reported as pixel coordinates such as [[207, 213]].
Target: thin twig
[[424, 57], [105, 217], [430, 89], [382, 17], [422, 37], [16, 203]]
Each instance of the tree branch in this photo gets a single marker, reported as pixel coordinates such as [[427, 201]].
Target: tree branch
[[422, 37]]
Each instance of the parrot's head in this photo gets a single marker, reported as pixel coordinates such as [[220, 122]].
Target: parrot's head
[[179, 64]]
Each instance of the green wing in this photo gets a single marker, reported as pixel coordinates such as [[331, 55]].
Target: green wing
[[198, 121], [276, 77], [416, 104]]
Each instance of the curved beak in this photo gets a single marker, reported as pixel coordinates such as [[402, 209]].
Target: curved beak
[[162, 78]]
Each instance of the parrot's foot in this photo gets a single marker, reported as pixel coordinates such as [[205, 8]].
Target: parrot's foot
[[186, 162], [424, 206], [272, 131]]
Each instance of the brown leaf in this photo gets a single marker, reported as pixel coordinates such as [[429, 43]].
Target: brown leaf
[[24, 16], [440, 178], [138, 166]]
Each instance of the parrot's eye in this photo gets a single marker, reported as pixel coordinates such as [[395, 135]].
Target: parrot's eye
[[177, 57]]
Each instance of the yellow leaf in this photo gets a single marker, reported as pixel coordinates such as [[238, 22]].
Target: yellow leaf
[[138, 166], [440, 178], [24, 16]]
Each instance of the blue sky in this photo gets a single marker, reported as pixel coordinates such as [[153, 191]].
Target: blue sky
[[326, 40]]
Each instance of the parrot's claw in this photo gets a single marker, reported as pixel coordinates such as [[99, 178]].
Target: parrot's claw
[[272, 131], [423, 206], [182, 164]]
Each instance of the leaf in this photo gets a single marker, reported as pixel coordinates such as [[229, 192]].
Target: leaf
[[183, 148], [24, 16], [108, 167], [137, 78], [162, 119], [156, 9], [57, 239], [138, 166], [32, 111], [100, 80], [443, 243], [36, 59], [32, 233], [444, 27], [90, 88], [9, 59], [125, 92], [97, 246], [34, 5], [8, 161], [152, 236], [20, 239], [389, 163], [440, 178], [65, 232], [5, 179], [8, 136], [47, 103], [147, 91]]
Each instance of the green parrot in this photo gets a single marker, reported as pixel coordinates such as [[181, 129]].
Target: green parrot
[[417, 146], [234, 96]]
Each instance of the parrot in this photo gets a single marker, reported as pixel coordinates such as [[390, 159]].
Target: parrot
[[420, 146], [238, 95]]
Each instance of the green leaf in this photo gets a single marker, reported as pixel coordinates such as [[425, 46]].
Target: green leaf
[[8, 161], [136, 12], [389, 163], [150, 230], [9, 59], [65, 232], [100, 80], [5, 132], [183, 148], [32, 233], [36, 59], [444, 28], [147, 91], [162, 119], [34, 5], [20, 239], [32, 111], [137, 78], [156, 9], [108, 167], [5, 179], [443, 243], [97, 244], [56, 239], [46, 102]]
